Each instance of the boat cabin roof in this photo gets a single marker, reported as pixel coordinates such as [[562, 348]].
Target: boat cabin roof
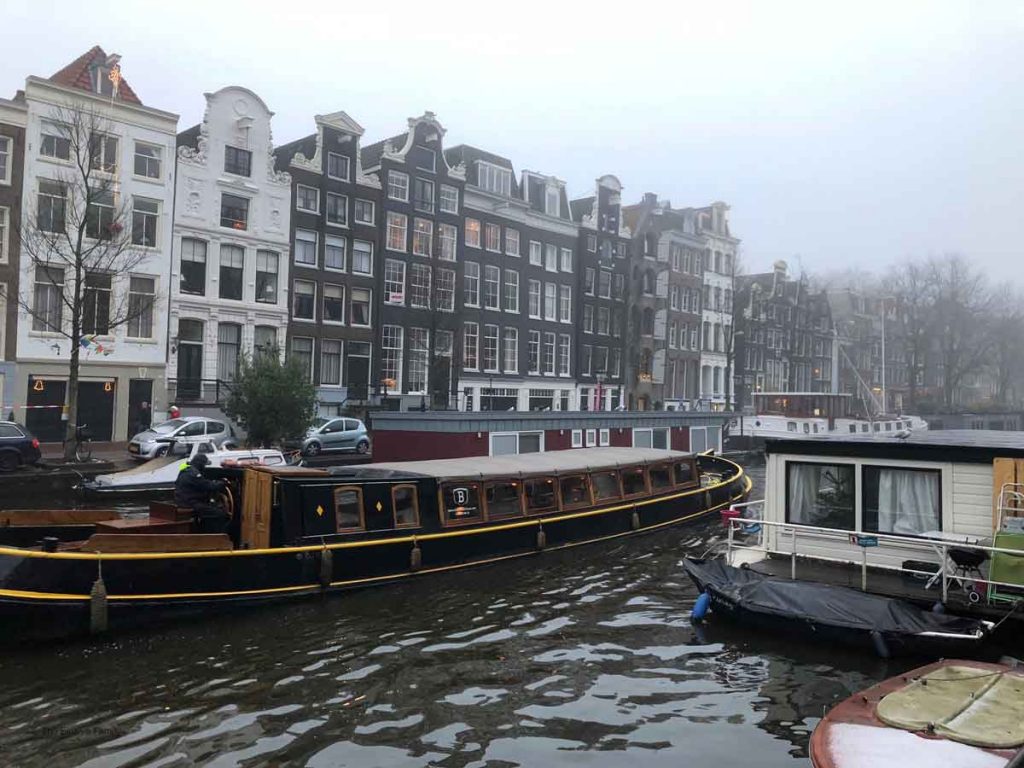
[[514, 465], [955, 445]]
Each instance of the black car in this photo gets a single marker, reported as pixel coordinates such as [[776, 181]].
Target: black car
[[18, 446]]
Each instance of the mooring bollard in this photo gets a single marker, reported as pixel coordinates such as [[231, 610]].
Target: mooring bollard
[[326, 567]]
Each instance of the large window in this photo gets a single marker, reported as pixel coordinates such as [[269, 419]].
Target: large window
[[5, 228], [145, 214], [494, 179], [96, 303], [820, 494], [330, 362], [510, 350], [193, 266], [461, 502], [492, 286], [449, 199], [229, 341], [364, 212], [337, 166], [99, 218], [540, 494], [359, 307], [337, 209], [423, 237], [445, 290], [394, 281], [503, 499], [307, 198], [303, 299], [447, 235], [266, 277], [606, 485], [237, 161], [472, 237], [575, 491], [490, 348], [471, 285], [6, 142], [645, 437], [533, 308], [141, 297], [103, 152], [398, 225], [550, 301], [264, 340], [147, 160], [565, 303], [512, 242], [334, 303], [302, 352], [901, 501], [362, 257], [470, 346], [398, 186], [234, 211], [492, 237], [305, 247], [419, 359], [423, 195], [232, 267], [563, 354], [334, 253], [511, 290], [419, 286], [393, 338]]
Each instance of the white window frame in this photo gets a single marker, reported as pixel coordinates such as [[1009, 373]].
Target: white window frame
[[421, 236], [333, 241], [445, 197], [353, 257], [401, 351], [344, 208], [540, 300], [484, 336], [604, 437], [465, 278], [577, 438], [550, 257], [511, 236], [509, 341], [516, 435], [491, 228], [565, 259], [316, 193], [494, 178], [536, 253], [510, 292], [348, 164], [492, 271], [442, 229], [323, 297], [391, 297], [396, 217], [565, 303], [316, 293], [479, 232], [373, 211], [5, 236], [591, 438], [135, 153], [396, 180], [316, 248], [8, 151]]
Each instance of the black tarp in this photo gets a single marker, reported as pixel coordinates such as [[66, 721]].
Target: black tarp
[[820, 603]]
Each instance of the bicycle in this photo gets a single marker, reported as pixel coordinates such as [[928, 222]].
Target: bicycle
[[83, 443]]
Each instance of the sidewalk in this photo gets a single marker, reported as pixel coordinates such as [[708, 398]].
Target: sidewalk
[[114, 452]]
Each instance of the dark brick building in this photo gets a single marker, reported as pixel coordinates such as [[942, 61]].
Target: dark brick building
[[13, 115]]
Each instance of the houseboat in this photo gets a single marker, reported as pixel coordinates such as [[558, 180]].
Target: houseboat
[[932, 517], [297, 531]]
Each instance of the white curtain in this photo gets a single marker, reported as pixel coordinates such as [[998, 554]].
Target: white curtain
[[908, 501], [804, 483]]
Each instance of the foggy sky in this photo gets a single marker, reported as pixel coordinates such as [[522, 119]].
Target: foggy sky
[[851, 134]]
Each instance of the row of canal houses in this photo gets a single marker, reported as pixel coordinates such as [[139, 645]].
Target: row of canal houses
[[403, 273]]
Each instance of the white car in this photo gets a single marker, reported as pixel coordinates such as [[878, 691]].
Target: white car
[[186, 429]]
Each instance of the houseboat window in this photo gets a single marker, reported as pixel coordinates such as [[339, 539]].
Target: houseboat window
[[540, 494], [575, 491], [461, 502], [815, 429], [878, 427], [863, 427], [791, 426], [606, 485], [807, 428], [634, 482], [503, 499], [901, 501], [684, 473], [853, 427], [348, 509], [661, 477], [888, 426], [820, 494], [645, 437], [406, 505]]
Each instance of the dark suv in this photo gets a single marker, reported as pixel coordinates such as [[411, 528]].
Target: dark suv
[[18, 446]]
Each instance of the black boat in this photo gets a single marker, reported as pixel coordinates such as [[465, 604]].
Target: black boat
[[297, 532], [833, 614]]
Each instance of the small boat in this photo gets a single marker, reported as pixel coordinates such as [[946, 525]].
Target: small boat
[[297, 532], [966, 714], [833, 614]]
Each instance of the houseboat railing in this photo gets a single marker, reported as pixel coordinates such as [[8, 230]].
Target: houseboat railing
[[867, 540]]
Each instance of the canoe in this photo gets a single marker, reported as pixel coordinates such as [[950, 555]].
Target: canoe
[[828, 613]]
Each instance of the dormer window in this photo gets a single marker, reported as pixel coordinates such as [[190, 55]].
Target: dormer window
[[552, 200], [494, 179], [424, 159]]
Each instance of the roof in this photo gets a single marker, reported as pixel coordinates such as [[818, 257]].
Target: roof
[[370, 155], [952, 445], [190, 136], [512, 421], [78, 74], [284, 153], [464, 153], [513, 465], [581, 207]]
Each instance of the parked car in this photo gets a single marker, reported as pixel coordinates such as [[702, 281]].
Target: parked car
[[18, 446], [340, 434], [186, 429]]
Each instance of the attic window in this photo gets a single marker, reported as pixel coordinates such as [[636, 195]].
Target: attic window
[[494, 179], [551, 201]]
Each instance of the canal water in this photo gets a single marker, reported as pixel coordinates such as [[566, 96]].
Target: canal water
[[582, 658]]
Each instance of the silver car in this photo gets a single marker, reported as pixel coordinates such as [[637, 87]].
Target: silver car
[[339, 434], [187, 429]]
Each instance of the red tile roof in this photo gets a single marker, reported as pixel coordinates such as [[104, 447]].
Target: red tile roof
[[77, 74]]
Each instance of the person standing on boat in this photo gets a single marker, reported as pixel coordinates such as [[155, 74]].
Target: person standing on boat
[[192, 490]]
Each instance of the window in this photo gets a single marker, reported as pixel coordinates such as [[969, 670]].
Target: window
[[503, 499], [337, 166], [229, 341], [602, 320], [536, 254], [445, 291], [447, 234], [549, 354], [232, 266], [337, 209], [362, 257], [606, 485], [617, 323], [264, 340], [398, 186], [394, 281], [533, 352], [565, 303], [512, 242], [540, 494], [566, 262], [419, 358], [334, 303], [588, 318], [237, 161], [147, 160], [494, 179], [423, 196], [901, 501], [398, 225], [511, 290], [601, 360], [303, 299], [330, 359], [234, 211], [470, 346], [359, 307], [5, 228], [193, 266], [551, 202], [472, 233], [99, 219], [96, 303], [550, 301], [334, 253], [490, 356], [302, 353], [620, 289], [48, 304], [144, 218], [471, 285], [141, 297], [575, 491], [419, 286], [604, 285], [348, 509], [564, 345], [820, 494], [634, 480], [423, 237], [103, 153], [364, 212], [56, 142], [492, 286], [492, 237], [588, 281], [661, 477], [577, 438], [405, 505], [305, 247], [551, 258], [588, 352], [645, 437], [461, 502], [510, 350], [449, 199], [391, 354], [533, 308], [307, 199]]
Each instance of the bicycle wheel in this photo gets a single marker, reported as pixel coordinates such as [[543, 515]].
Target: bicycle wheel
[[83, 450]]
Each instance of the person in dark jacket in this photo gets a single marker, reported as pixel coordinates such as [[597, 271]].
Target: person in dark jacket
[[192, 490]]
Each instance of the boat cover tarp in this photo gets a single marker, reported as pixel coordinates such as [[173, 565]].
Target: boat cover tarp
[[822, 603], [967, 704]]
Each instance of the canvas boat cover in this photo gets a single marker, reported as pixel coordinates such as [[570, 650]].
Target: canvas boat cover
[[822, 603], [968, 704]]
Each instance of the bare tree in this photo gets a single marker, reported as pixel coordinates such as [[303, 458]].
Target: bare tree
[[914, 293], [1006, 331], [79, 242]]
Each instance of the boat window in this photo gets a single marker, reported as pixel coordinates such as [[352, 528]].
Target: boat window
[[540, 494], [575, 491], [888, 426], [348, 508], [684, 473], [815, 429], [406, 506], [807, 428], [791, 426], [661, 477], [877, 426], [503, 499], [820, 494], [205, 448], [461, 502], [606, 485], [901, 501], [634, 481], [853, 427]]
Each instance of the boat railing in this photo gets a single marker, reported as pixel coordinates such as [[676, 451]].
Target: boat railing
[[754, 538]]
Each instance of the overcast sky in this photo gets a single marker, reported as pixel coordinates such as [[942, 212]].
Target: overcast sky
[[851, 134]]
